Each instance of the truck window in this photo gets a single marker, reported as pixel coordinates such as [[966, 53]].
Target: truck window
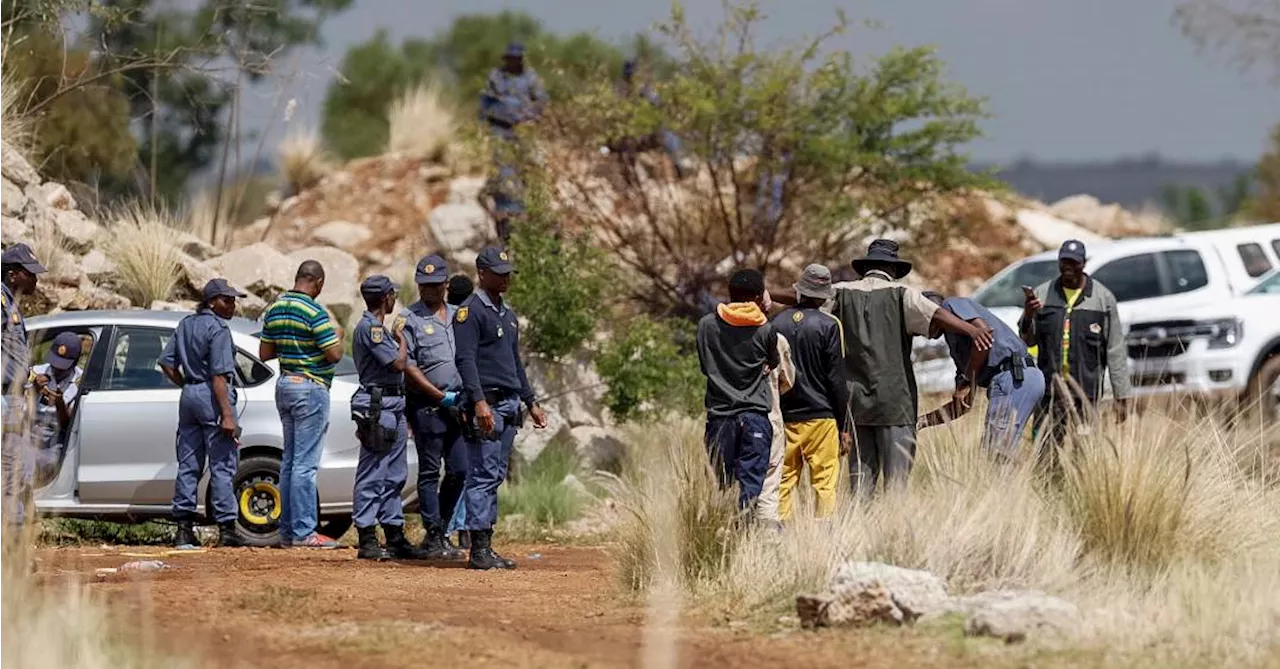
[[1186, 271], [1007, 290], [1254, 258], [1131, 278], [1275, 247]]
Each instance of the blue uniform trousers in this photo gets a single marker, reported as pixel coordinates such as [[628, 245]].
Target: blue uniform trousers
[[1010, 406], [15, 452], [200, 439], [437, 436], [379, 479], [739, 450], [487, 457]]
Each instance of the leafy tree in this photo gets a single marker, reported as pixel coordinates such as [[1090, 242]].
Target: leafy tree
[[1248, 30], [375, 72], [797, 157], [1196, 208], [649, 370]]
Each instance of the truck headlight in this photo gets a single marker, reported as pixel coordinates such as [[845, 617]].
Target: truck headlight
[[1225, 333]]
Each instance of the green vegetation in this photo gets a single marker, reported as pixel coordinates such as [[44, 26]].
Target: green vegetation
[[1197, 208], [650, 370], [75, 531], [539, 493]]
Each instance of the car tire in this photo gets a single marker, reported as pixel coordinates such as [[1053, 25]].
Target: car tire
[[257, 490], [334, 526], [1260, 395]]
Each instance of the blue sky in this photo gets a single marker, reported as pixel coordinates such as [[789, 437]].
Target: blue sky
[[1066, 79]]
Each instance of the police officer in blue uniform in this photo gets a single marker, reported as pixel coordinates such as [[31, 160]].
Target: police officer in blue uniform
[[513, 95], [200, 359], [378, 409], [488, 357], [55, 389], [432, 400], [21, 271]]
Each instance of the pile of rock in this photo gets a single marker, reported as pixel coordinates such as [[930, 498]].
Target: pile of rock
[[868, 593]]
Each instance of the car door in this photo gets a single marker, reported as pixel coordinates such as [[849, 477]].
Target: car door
[[129, 423]]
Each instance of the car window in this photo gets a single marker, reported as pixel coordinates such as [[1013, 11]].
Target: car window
[[1007, 290], [1186, 271], [1275, 247], [251, 372], [1254, 258], [1131, 278], [42, 340], [1268, 286], [133, 362]]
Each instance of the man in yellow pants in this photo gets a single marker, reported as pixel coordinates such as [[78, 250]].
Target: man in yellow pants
[[815, 410]]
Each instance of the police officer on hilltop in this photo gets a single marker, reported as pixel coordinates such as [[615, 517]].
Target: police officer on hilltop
[[21, 274], [378, 409], [488, 358], [200, 359], [432, 400]]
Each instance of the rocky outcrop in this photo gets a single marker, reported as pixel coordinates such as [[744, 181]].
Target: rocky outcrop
[[341, 293], [259, 269], [341, 234]]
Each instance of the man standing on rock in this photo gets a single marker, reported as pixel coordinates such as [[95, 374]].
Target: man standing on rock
[[514, 95], [298, 331], [432, 405], [21, 274], [878, 316], [1075, 323], [487, 336], [737, 349]]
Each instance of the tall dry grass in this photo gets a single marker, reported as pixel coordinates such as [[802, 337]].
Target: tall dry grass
[[303, 159], [1157, 529], [142, 243], [423, 122]]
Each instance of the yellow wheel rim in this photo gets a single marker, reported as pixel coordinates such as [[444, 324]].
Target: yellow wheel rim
[[246, 503]]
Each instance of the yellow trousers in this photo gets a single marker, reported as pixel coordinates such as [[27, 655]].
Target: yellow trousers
[[817, 443]]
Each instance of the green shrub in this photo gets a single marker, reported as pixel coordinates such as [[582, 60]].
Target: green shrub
[[539, 494], [649, 370], [74, 531]]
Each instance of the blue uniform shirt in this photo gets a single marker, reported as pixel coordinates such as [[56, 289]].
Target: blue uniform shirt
[[47, 426], [1006, 342], [488, 343], [375, 351], [201, 349], [510, 99], [14, 342], [431, 346]]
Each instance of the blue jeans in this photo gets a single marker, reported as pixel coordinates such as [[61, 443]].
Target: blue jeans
[[739, 450], [199, 438], [437, 436], [487, 457], [303, 405], [1011, 405]]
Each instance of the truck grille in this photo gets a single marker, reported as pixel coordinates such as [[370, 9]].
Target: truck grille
[[1163, 339]]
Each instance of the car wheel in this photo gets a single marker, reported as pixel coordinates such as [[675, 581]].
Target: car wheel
[[257, 486], [1263, 390], [334, 526]]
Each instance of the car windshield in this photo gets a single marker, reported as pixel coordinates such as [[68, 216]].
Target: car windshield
[[1268, 286], [1006, 291], [345, 367]]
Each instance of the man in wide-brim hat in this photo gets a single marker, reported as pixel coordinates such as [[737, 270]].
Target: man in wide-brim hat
[[879, 315]]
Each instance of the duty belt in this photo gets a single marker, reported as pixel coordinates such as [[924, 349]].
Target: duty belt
[[387, 391], [495, 395]]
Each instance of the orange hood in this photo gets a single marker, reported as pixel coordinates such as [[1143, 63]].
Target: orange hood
[[741, 314]]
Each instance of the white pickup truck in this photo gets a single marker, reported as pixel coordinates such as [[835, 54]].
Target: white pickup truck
[[1189, 278]]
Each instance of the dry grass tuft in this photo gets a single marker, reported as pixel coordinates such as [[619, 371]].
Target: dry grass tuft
[[17, 125], [206, 220], [303, 159], [423, 123], [50, 246], [142, 244]]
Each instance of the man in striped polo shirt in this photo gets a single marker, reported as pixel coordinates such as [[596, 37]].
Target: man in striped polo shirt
[[297, 330]]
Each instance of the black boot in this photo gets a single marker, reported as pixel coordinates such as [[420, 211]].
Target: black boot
[[227, 536], [186, 536], [464, 540], [482, 555], [369, 548], [398, 545], [436, 546]]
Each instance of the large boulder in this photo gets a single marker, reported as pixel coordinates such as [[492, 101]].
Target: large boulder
[[258, 268], [531, 442], [96, 264], [465, 190], [53, 195], [570, 386], [598, 449], [458, 226], [13, 230], [16, 168], [857, 608], [12, 199], [1015, 615], [88, 296], [868, 592], [341, 234], [194, 246], [341, 293], [79, 231]]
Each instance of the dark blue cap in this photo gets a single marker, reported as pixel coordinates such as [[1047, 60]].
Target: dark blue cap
[[495, 260], [377, 286], [220, 288], [1072, 249], [514, 50], [65, 350], [431, 270], [20, 254], [628, 67]]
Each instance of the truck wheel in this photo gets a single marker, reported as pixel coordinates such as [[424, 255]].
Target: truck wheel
[[1262, 391], [257, 488]]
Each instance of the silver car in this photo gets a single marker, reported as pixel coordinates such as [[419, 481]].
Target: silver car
[[120, 459]]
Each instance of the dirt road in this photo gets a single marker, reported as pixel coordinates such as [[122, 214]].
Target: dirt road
[[322, 609]]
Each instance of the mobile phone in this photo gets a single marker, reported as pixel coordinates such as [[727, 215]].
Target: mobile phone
[[1028, 291]]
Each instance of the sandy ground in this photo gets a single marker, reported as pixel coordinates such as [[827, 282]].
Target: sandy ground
[[318, 609]]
